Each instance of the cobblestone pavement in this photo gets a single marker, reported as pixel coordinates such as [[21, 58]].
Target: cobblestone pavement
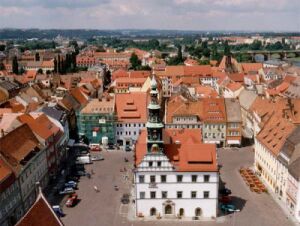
[[105, 209]]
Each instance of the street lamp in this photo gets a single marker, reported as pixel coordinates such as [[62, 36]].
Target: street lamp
[[234, 211]]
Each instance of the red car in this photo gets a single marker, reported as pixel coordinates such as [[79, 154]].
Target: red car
[[225, 199], [72, 200], [95, 147]]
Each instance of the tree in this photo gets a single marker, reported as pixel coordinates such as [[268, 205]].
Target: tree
[[134, 61], [40, 71], [214, 52], [226, 49], [37, 56], [15, 65], [55, 65], [107, 78], [256, 45], [75, 45], [2, 47], [153, 44], [179, 54]]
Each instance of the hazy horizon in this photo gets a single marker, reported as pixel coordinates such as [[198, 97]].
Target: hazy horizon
[[186, 15]]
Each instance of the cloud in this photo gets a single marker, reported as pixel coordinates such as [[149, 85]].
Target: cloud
[[157, 14]]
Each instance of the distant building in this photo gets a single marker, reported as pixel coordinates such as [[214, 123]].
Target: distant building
[[131, 111], [234, 122], [214, 121], [97, 120]]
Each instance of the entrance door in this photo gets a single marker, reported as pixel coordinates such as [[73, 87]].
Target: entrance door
[[181, 212], [152, 212], [198, 212], [168, 209]]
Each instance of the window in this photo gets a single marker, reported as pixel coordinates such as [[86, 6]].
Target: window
[[159, 164], [152, 179], [179, 194], [206, 178], [194, 178], [142, 179], [142, 195], [151, 164], [193, 194], [164, 194], [179, 178], [206, 194], [163, 178], [152, 194]]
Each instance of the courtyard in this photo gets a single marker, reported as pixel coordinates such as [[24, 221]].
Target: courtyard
[[104, 208]]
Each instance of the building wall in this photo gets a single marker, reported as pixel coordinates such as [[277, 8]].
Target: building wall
[[11, 205], [207, 205], [128, 132], [266, 164], [233, 134], [96, 126], [214, 132], [293, 196], [35, 170]]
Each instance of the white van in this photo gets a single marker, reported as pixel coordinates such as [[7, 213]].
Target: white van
[[84, 160]]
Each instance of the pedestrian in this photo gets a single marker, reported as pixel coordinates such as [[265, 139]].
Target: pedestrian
[[96, 188]]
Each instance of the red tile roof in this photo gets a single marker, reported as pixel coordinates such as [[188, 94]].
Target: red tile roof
[[251, 67], [40, 214], [79, 96], [275, 132], [184, 149], [131, 107], [214, 110]]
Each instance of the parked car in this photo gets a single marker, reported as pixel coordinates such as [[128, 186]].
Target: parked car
[[71, 184], [228, 208], [97, 158], [83, 160], [58, 211], [72, 200], [80, 173], [72, 178], [67, 191], [111, 146], [225, 199], [95, 147], [125, 198], [225, 191]]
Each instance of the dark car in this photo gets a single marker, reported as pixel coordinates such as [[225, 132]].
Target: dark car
[[111, 146], [229, 208], [125, 198], [225, 191]]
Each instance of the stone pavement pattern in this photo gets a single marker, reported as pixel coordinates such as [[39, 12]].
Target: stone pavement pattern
[[104, 208]]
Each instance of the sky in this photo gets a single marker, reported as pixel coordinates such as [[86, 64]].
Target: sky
[[247, 15]]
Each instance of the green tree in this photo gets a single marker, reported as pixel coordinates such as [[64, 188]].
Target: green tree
[[2, 47], [256, 45], [15, 65], [134, 61], [55, 65], [153, 44], [179, 54], [40, 71], [226, 49], [107, 78], [37, 56]]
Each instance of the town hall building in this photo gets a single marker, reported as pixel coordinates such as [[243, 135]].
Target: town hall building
[[176, 175]]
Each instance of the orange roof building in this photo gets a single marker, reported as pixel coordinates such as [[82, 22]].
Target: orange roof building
[[41, 213], [176, 162]]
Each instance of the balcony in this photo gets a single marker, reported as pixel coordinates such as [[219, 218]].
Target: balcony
[[152, 185]]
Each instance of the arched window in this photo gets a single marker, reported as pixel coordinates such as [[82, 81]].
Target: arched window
[[198, 212], [168, 209], [152, 211]]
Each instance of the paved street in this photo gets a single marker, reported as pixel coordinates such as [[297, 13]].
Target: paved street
[[104, 208]]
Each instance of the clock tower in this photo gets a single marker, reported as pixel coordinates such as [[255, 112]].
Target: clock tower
[[154, 124]]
